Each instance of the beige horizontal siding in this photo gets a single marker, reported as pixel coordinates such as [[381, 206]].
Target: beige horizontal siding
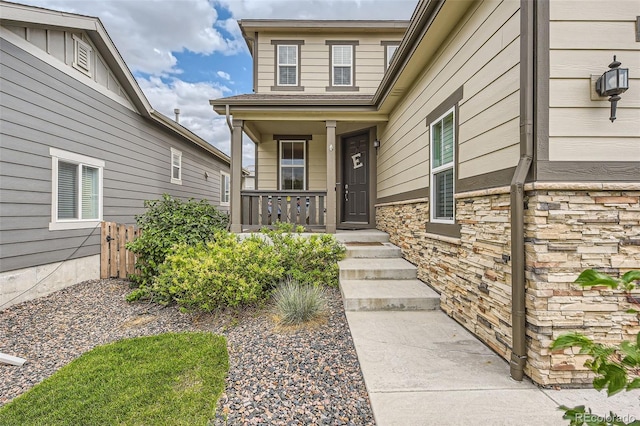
[[600, 149], [314, 60], [594, 122], [317, 163], [268, 164], [482, 55], [584, 37], [592, 10], [576, 93]]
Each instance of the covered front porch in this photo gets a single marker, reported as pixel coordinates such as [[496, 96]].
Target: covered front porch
[[313, 168]]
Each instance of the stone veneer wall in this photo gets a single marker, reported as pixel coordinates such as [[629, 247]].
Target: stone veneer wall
[[566, 231], [471, 273], [569, 228]]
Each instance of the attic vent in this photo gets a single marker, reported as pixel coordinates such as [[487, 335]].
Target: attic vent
[[81, 56]]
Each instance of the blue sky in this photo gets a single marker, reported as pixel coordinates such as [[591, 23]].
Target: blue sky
[[185, 52]]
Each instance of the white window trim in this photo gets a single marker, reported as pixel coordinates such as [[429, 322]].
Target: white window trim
[[223, 176], [303, 167], [333, 65], [297, 83], [78, 44], [175, 152], [441, 168], [62, 224]]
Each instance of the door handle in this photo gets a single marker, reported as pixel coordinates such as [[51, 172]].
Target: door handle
[[346, 192]]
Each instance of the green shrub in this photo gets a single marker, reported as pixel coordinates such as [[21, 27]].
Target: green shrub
[[617, 368], [168, 222], [222, 272], [296, 303], [308, 260]]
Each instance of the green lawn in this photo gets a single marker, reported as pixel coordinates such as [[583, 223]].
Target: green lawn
[[173, 378]]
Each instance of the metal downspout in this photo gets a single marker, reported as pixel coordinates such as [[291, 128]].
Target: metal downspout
[[518, 259], [228, 115]]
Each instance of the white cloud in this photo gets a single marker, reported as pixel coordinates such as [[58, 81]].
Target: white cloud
[[320, 9], [193, 101], [224, 75], [148, 32]]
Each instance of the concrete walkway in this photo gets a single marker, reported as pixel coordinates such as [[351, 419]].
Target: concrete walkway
[[422, 368]]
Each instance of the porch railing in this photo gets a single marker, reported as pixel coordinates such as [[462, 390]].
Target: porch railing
[[261, 208]]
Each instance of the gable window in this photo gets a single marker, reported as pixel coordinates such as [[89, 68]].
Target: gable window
[[82, 55], [343, 63], [442, 132], [292, 165], [176, 166], [225, 188], [287, 64], [76, 190]]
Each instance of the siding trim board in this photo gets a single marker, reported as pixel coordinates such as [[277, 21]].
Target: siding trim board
[[421, 193], [588, 171], [543, 73], [489, 180]]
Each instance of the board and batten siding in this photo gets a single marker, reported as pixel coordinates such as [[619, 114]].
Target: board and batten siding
[[583, 39], [482, 55], [316, 163], [42, 108], [59, 44], [314, 60]]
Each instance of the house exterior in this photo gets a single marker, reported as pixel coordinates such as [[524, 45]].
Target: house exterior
[[80, 144], [478, 143]]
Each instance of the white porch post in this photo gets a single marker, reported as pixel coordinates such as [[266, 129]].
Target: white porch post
[[331, 177], [236, 176]]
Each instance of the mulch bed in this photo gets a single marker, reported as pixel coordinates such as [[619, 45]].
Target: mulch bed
[[287, 376]]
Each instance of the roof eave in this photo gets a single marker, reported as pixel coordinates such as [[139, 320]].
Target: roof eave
[[188, 134]]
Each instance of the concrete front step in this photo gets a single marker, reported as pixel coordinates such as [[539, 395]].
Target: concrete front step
[[373, 250], [388, 295], [362, 236], [376, 269]]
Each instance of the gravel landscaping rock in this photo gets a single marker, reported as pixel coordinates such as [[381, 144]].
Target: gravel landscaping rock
[[309, 375]]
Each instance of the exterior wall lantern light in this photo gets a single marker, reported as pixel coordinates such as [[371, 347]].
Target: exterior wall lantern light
[[376, 144], [612, 83]]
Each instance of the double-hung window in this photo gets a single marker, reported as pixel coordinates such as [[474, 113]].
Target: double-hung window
[[176, 166], [287, 65], [342, 65], [76, 190], [287, 73], [225, 188], [292, 165], [443, 136]]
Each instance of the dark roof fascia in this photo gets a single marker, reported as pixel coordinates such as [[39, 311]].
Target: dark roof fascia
[[297, 24], [421, 21]]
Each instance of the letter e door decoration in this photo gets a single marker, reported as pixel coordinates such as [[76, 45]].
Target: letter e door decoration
[[356, 160]]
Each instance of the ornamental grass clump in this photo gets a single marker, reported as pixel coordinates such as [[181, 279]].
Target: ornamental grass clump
[[297, 303]]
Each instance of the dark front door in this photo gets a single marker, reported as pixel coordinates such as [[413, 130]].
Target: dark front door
[[355, 197]]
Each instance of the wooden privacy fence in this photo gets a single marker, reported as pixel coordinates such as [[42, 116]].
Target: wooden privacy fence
[[115, 260]]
